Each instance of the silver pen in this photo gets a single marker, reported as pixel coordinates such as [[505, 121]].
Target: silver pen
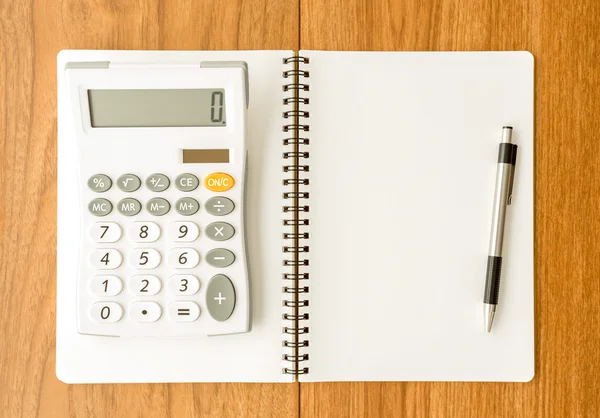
[[507, 156]]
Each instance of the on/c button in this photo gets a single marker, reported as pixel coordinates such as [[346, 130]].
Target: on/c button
[[218, 182]]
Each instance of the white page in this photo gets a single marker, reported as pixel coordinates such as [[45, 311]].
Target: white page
[[403, 158], [250, 357]]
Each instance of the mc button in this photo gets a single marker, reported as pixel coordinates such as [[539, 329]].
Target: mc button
[[218, 182]]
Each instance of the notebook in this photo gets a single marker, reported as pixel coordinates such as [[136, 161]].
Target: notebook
[[368, 210]]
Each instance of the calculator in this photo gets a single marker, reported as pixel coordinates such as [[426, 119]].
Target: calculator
[[161, 173]]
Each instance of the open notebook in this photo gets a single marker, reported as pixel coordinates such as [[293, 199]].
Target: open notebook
[[387, 165]]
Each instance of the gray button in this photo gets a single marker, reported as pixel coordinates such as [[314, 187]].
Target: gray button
[[186, 182], [157, 182], [219, 231], [99, 183], [220, 297], [220, 257], [219, 206], [129, 206], [100, 207], [129, 182], [187, 206], [158, 206]]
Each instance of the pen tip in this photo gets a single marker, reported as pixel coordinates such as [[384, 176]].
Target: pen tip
[[489, 311], [507, 127]]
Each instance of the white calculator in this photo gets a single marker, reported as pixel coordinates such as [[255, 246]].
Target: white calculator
[[161, 155]]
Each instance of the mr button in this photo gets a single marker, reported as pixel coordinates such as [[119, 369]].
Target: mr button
[[218, 182]]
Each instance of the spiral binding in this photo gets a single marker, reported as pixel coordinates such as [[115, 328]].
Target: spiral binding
[[295, 158]]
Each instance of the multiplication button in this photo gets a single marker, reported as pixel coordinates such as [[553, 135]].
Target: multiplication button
[[219, 231], [157, 182], [219, 206]]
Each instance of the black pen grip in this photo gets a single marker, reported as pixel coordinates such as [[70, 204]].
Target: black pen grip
[[492, 280]]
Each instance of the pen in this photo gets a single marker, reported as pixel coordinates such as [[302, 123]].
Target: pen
[[507, 156]]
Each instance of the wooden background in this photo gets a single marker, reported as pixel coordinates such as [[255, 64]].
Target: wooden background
[[564, 37]]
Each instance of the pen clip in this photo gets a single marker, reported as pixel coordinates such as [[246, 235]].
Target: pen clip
[[510, 188]]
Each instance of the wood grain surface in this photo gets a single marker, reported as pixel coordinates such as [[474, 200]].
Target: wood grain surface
[[564, 37], [31, 34], [565, 40]]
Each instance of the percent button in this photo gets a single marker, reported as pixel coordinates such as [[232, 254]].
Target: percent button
[[99, 183]]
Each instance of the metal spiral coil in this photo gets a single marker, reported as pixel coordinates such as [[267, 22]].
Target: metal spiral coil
[[295, 156]]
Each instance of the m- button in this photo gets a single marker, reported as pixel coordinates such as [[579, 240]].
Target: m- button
[[186, 182], [218, 182]]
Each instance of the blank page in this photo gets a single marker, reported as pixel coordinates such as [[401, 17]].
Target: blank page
[[403, 159]]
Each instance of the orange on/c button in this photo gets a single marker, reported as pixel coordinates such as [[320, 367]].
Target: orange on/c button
[[219, 182]]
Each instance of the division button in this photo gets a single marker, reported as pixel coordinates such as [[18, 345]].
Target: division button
[[186, 182], [129, 206], [219, 206], [129, 183], [158, 206], [184, 311], [145, 311], [157, 182], [219, 231], [100, 207], [187, 206], [99, 183], [220, 297], [220, 257]]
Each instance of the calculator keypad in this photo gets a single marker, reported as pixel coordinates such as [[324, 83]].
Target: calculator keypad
[[151, 260]]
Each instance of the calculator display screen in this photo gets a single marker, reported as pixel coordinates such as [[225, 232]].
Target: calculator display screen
[[157, 108]]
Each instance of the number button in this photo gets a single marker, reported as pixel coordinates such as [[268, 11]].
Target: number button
[[145, 311], [144, 232], [219, 206], [106, 312], [183, 231], [145, 258], [105, 232], [184, 284], [184, 311], [186, 182], [100, 207], [157, 182], [129, 183], [187, 206], [144, 285], [184, 258], [106, 259], [99, 183], [158, 206], [129, 206], [219, 231], [106, 285]]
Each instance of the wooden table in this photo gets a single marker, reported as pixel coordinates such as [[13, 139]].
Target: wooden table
[[564, 37]]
